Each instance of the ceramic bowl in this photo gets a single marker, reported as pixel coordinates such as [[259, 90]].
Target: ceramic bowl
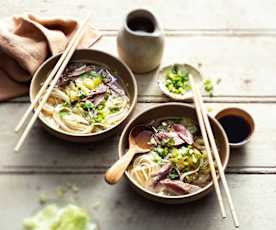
[[162, 81], [125, 78], [173, 109], [248, 119]]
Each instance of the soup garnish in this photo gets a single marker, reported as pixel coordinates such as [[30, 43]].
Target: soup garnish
[[177, 81], [87, 99], [177, 163]]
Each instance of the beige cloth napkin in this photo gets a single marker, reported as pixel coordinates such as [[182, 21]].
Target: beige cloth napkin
[[26, 41]]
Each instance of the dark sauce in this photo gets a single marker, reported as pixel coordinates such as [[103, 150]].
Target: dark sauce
[[141, 24], [237, 128]]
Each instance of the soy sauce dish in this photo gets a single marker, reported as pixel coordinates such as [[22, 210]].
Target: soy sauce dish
[[238, 125], [94, 96], [176, 168]]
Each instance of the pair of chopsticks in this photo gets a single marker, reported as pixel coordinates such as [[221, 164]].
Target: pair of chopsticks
[[50, 83], [206, 132]]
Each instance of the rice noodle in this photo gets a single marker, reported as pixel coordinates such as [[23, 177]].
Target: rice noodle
[[74, 104], [171, 168]]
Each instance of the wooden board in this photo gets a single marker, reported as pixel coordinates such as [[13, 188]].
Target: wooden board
[[188, 14], [119, 207], [42, 152], [233, 40], [242, 63]]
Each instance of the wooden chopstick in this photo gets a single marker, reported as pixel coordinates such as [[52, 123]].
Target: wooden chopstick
[[207, 146], [216, 155], [45, 84], [61, 67]]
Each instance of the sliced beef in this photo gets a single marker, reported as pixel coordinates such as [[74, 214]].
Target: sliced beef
[[81, 70], [162, 174], [178, 187], [98, 99], [183, 133], [73, 71], [97, 96], [163, 136]]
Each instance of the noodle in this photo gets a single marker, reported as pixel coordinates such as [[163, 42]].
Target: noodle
[[87, 99], [142, 168], [177, 163]]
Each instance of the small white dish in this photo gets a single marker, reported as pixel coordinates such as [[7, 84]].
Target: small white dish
[[162, 81]]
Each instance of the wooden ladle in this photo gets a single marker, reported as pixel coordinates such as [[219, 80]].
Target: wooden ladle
[[138, 140]]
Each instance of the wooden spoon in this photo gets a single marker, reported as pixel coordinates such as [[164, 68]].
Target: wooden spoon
[[138, 140]]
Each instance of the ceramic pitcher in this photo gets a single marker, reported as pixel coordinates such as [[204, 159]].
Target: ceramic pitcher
[[140, 42]]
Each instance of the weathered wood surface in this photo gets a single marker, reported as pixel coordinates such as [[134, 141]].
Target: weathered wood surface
[[175, 14], [243, 63], [234, 41], [42, 152], [119, 207]]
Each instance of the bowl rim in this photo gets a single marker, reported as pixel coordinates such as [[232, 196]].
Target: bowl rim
[[130, 110], [202, 190]]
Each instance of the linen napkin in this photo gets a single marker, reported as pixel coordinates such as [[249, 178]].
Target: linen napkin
[[27, 41]]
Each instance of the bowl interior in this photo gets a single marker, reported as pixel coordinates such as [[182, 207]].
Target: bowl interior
[[174, 110], [125, 78]]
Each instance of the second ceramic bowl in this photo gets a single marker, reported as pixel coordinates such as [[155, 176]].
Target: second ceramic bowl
[[173, 110]]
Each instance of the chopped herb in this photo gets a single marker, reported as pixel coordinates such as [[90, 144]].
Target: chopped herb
[[100, 117], [84, 75], [218, 81], [173, 175], [210, 109], [60, 191], [169, 142], [114, 109], [93, 74], [156, 158], [88, 105], [65, 104], [208, 87], [43, 198], [63, 113], [100, 106], [177, 81], [75, 188], [161, 151]]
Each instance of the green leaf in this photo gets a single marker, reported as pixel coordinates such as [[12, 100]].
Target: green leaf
[[63, 113], [208, 87], [114, 109], [88, 105], [173, 175]]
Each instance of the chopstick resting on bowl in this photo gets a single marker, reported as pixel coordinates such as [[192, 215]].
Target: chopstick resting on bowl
[[206, 131], [54, 76]]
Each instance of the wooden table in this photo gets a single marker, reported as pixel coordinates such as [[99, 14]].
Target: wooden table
[[233, 40]]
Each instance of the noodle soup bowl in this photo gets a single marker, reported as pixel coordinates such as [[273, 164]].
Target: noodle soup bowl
[[124, 77], [162, 112]]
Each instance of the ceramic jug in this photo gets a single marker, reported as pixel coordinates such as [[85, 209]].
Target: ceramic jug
[[140, 42]]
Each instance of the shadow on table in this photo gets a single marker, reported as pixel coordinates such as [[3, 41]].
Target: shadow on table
[[133, 209]]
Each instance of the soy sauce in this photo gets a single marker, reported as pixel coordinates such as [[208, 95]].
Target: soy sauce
[[141, 24], [237, 128]]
